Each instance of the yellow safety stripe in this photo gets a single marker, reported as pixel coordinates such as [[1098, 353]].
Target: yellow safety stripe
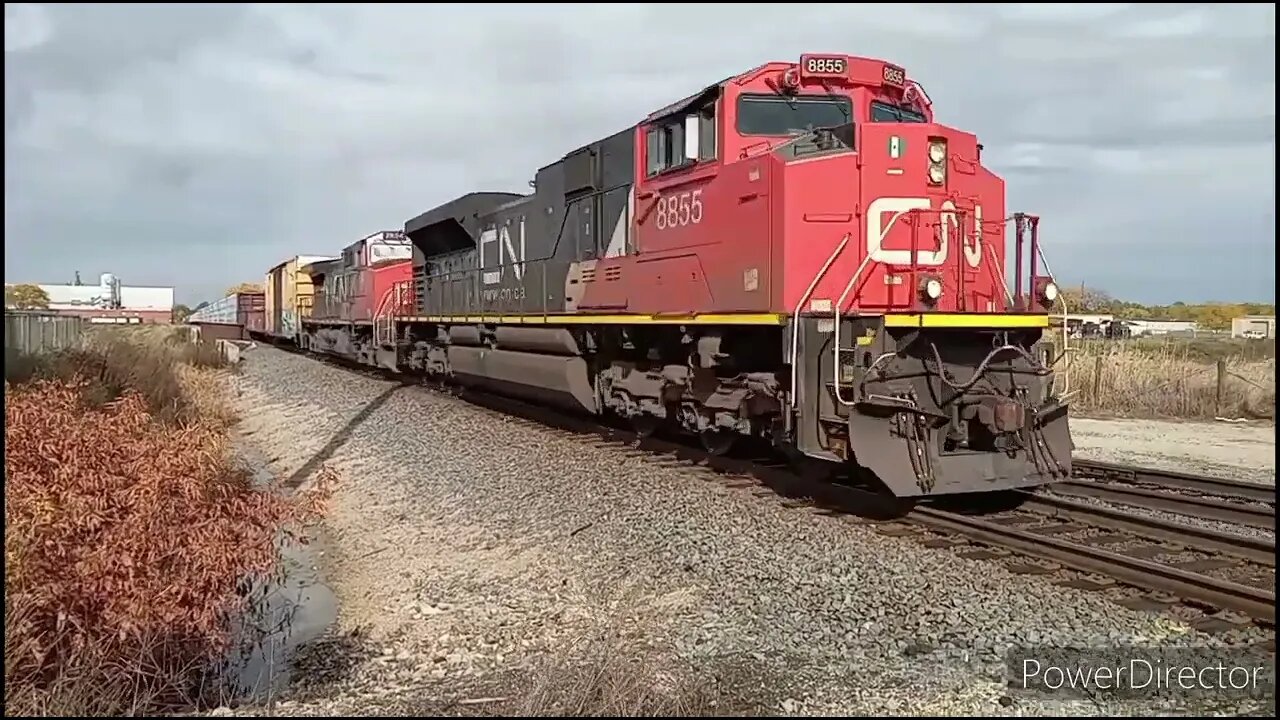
[[625, 319], [923, 320], [967, 320]]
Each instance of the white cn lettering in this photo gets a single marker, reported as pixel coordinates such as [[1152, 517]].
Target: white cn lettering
[[878, 230], [618, 241], [509, 249], [487, 236], [974, 254], [949, 225], [514, 254]]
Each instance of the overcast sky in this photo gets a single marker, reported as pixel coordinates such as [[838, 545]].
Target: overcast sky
[[196, 146]]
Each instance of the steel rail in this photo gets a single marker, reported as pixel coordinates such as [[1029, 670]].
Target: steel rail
[[1191, 537], [1258, 516], [1255, 602], [1171, 478]]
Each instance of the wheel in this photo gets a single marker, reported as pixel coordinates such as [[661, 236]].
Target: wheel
[[718, 442], [645, 425]]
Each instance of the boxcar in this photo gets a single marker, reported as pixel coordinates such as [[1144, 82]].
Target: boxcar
[[288, 294]]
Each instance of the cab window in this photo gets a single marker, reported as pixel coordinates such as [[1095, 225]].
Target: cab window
[[681, 140], [774, 115], [886, 112]]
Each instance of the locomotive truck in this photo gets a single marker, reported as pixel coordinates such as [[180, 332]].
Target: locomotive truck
[[800, 253]]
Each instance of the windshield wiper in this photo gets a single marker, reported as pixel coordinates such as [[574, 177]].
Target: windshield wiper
[[847, 117]]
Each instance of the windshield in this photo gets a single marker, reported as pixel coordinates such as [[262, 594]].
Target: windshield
[[774, 115], [884, 112]]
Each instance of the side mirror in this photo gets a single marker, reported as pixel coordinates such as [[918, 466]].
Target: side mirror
[[691, 137]]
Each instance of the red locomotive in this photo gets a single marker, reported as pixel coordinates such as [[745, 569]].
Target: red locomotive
[[798, 253], [349, 292]]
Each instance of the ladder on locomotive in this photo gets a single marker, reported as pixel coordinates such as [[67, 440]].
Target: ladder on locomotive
[[397, 300]]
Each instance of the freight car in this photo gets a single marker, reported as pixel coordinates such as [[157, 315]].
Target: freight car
[[349, 293], [800, 253], [233, 317], [287, 298]]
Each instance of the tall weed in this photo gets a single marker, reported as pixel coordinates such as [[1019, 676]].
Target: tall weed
[[130, 531], [1138, 378]]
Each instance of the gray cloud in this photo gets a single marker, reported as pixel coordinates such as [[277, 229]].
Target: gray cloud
[[197, 145]]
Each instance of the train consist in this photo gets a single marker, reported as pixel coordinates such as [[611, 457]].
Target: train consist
[[799, 253]]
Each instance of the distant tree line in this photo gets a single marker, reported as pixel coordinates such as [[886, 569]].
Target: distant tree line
[[1211, 316]]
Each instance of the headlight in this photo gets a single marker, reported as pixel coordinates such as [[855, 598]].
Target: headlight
[[937, 161], [931, 289], [1050, 292]]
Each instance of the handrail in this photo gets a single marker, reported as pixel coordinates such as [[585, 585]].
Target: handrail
[[1023, 224], [1066, 375], [999, 274], [378, 315], [795, 317], [835, 370], [387, 308]]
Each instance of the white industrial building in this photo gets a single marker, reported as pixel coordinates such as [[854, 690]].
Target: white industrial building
[[1085, 318], [110, 300], [1139, 328], [1254, 326]]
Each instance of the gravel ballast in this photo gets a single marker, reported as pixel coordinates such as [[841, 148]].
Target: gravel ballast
[[465, 547], [1236, 451]]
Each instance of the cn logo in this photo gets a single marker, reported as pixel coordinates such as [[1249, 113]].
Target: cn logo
[[886, 212], [511, 252]]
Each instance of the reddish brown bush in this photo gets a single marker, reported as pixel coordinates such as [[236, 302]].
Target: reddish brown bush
[[147, 359], [126, 539]]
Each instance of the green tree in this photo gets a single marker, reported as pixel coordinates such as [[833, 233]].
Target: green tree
[[1087, 300], [1217, 316], [181, 313], [25, 296]]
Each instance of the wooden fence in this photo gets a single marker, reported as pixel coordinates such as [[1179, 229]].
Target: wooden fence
[[36, 332]]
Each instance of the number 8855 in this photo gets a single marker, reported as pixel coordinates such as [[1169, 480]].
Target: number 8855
[[675, 211], [830, 66]]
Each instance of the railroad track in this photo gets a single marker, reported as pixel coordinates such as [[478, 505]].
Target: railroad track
[[1230, 577], [1215, 573], [1251, 514], [1204, 485]]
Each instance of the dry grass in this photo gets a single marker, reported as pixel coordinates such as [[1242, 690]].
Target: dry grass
[[1174, 379], [130, 530], [607, 675], [621, 664], [152, 360]]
